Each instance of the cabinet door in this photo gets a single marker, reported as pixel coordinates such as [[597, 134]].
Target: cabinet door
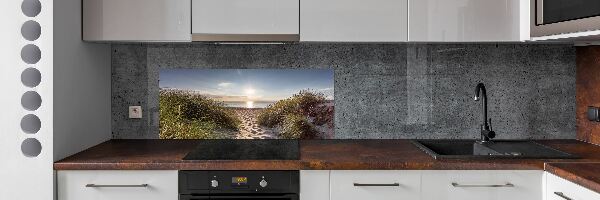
[[314, 185], [561, 189], [482, 185], [353, 20], [136, 20], [468, 20], [245, 17], [117, 185], [374, 184]]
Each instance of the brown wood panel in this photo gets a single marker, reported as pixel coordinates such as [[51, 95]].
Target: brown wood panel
[[588, 92]]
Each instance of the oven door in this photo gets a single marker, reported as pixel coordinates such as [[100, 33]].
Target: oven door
[[552, 17], [240, 197]]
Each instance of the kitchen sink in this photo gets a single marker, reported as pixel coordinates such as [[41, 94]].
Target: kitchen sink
[[472, 149]]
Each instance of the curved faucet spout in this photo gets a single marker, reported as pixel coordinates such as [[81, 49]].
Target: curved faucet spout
[[480, 94], [481, 88]]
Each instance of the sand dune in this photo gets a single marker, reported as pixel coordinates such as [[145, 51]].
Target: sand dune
[[249, 129]]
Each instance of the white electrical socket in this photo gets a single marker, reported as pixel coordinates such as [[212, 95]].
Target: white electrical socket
[[135, 112]]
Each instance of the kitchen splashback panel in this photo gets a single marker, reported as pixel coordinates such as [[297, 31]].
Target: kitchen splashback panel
[[381, 90], [246, 104]]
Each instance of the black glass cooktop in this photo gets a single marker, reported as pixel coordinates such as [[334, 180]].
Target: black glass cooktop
[[263, 149]]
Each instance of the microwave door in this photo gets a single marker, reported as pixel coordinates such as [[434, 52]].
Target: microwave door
[[556, 11], [558, 17]]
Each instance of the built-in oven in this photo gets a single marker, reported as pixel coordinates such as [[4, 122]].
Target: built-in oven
[[237, 185], [553, 17]]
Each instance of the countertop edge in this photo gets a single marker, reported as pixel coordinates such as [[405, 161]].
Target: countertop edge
[[573, 177]]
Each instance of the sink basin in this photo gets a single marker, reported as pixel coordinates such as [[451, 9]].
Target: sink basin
[[471, 149]]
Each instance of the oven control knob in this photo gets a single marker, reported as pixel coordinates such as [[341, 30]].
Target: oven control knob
[[263, 183], [214, 183]]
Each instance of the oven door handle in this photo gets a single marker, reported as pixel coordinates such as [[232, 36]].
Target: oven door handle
[[245, 196]]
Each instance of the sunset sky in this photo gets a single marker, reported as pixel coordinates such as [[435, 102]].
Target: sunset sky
[[249, 84]]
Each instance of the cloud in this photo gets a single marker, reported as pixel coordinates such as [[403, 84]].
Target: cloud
[[225, 84], [325, 89]]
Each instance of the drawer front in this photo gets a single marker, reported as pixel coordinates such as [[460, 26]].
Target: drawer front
[[117, 185], [482, 185], [376, 185], [560, 189]]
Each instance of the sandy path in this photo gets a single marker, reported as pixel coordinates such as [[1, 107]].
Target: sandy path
[[249, 129]]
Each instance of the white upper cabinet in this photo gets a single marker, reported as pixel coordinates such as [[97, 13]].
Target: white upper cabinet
[[468, 20], [353, 20], [136, 20], [245, 20]]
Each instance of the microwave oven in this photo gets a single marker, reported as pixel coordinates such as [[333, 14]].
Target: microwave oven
[[556, 17]]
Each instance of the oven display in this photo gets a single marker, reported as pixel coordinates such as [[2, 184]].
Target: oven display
[[239, 181]]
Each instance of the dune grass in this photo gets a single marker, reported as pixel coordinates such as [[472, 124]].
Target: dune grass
[[298, 115], [188, 116]]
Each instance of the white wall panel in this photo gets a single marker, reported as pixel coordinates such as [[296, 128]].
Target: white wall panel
[[82, 107], [21, 177]]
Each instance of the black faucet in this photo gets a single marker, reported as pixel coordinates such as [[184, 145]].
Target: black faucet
[[486, 129]]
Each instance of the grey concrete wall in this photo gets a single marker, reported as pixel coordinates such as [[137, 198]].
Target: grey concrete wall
[[382, 90]]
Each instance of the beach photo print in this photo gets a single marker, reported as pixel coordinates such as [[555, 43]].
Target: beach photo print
[[246, 104]]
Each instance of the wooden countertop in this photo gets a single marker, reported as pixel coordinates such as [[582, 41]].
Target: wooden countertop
[[584, 174], [331, 155], [314, 154]]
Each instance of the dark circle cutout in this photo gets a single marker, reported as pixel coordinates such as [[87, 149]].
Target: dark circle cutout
[[31, 30], [31, 100], [31, 77], [31, 54], [31, 147], [31, 8], [31, 124]]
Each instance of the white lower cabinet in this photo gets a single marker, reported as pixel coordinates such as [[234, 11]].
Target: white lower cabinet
[[375, 185], [482, 185], [341, 185], [560, 189], [314, 185], [434, 185], [117, 185]]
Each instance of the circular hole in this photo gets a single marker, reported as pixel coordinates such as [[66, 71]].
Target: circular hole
[[31, 54], [31, 147], [31, 100], [31, 30], [31, 8], [31, 124], [31, 77]]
